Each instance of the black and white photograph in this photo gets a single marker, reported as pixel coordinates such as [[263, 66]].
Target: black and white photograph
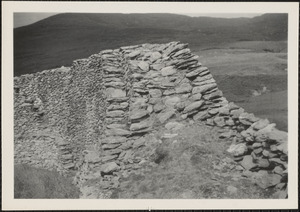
[[148, 105]]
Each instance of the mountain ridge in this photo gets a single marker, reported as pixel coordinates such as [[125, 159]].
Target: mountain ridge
[[60, 39]]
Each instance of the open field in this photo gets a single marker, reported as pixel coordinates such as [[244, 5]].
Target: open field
[[242, 69]]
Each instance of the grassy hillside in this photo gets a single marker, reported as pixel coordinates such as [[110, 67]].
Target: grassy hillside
[[60, 39], [34, 183]]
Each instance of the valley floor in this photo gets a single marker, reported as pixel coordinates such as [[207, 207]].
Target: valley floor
[[253, 74]]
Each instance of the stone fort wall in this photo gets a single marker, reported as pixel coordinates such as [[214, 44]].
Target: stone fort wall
[[91, 115]]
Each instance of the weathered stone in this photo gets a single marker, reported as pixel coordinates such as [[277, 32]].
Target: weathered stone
[[196, 97], [116, 151], [134, 54], [196, 72], [278, 170], [115, 113], [202, 115], [193, 106], [229, 122], [155, 93], [92, 157], [262, 123], [265, 180], [277, 161], [168, 71], [247, 162], [224, 111], [219, 121], [110, 146], [144, 66], [157, 66], [256, 145], [236, 113], [114, 84], [258, 150], [263, 134], [278, 136], [110, 167], [69, 166], [108, 158], [140, 125], [183, 51], [138, 114], [151, 75], [174, 126], [269, 154], [111, 126], [172, 101], [204, 88], [117, 132], [226, 134], [173, 48], [213, 111], [238, 149], [137, 76], [204, 80], [121, 106], [169, 92], [184, 88], [115, 93], [155, 56], [283, 148], [247, 118], [263, 163], [168, 135], [165, 115], [150, 108], [158, 107]]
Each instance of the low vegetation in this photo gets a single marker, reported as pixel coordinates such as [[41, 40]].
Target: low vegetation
[[36, 183], [193, 165]]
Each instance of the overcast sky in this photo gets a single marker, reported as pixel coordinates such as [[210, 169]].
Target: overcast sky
[[23, 19]]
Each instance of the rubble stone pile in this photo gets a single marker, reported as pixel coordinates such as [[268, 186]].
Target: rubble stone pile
[[100, 108]]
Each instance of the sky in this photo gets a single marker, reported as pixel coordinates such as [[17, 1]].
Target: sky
[[23, 19]]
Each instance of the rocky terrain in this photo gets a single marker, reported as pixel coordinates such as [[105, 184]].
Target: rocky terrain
[[109, 116]]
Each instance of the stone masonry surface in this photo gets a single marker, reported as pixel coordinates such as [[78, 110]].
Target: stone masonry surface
[[90, 118]]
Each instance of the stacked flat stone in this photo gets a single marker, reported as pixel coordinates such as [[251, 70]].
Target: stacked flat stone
[[104, 104]]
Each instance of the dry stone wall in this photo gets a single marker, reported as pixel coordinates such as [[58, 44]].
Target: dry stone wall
[[100, 107]]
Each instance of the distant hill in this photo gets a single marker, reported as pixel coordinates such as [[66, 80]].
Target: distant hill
[[59, 39]]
